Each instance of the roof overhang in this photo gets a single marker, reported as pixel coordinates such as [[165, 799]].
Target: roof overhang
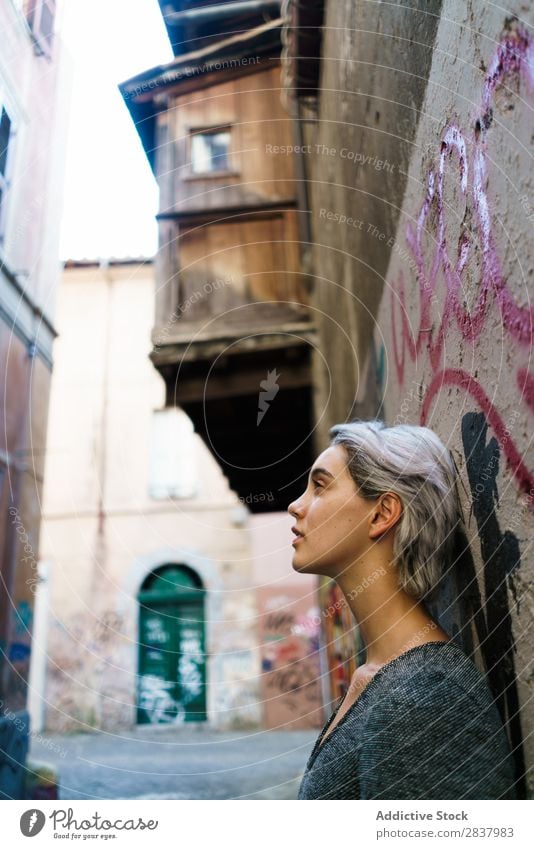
[[191, 24], [147, 93]]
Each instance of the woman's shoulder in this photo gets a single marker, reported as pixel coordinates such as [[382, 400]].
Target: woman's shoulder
[[434, 708], [431, 672]]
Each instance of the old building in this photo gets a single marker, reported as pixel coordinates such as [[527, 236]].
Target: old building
[[34, 76], [418, 144], [163, 599], [232, 309], [233, 331]]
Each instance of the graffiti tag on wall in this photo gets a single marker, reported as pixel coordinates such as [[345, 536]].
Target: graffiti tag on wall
[[512, 58], [465, 276]]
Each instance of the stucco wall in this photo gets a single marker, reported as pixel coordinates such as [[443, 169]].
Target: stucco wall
[[456, 322], [103, 533], [375, 60], [431, 293]]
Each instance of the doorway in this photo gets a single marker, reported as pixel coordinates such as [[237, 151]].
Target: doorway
[[172, 658]]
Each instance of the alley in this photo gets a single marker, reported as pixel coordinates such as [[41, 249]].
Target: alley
[[267, 394], [167, 763]]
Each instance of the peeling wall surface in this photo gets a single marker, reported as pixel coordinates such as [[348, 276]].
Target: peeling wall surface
[[430, 284]]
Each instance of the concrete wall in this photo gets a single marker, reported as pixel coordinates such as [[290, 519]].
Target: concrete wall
[[425, 293]]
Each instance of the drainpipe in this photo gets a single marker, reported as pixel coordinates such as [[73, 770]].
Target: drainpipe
[[302, 186], [102, 460], [100, 551]]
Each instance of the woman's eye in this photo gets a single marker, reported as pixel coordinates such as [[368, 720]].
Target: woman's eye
[[317, 485]]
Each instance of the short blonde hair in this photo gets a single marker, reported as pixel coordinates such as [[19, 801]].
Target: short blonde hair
[[412, 462]]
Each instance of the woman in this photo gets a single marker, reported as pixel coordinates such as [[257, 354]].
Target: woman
[[379, 516]]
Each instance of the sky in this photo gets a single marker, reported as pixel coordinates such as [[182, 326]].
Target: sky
[[110, 197]]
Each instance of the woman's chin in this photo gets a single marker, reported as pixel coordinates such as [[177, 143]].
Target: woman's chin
[[302, 565]]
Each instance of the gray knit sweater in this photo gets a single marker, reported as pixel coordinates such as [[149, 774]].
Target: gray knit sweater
[[424, 727]]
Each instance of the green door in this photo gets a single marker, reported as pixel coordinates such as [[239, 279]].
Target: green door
[[172, 660]]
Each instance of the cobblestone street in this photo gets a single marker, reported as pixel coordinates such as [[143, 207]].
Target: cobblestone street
[[163, 763]]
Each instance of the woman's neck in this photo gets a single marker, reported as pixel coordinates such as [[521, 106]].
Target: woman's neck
[[390, 620]]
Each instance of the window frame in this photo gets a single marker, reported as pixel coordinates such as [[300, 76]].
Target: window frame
[[5, 178], [212, 130], [171, 433], [33, 12]]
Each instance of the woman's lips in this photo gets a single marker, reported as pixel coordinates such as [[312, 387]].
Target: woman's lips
[[297, 533]]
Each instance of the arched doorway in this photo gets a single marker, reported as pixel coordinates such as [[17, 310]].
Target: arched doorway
[[172, 659]]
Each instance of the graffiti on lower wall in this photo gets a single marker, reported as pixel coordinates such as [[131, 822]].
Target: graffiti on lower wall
[[17, 656], [87, 685], [290, 681], [156, 699], [340, 638]]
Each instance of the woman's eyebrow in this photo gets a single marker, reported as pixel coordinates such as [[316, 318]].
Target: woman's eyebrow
[[320, 471]]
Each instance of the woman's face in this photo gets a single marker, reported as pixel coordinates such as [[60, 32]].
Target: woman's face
[[331, 517]]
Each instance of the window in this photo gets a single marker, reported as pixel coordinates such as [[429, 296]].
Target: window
[[210, 151], [173, 469], [6, 137], [40, 16]]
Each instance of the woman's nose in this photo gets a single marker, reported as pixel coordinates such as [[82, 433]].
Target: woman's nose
[[293, 509]]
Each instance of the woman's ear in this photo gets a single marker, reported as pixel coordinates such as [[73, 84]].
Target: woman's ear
[[385, 515]]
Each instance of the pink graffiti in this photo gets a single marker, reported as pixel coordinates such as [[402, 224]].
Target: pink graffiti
[[525, 383], [459, 377], [514, 57]]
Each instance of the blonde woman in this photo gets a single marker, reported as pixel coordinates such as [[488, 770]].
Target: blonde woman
[[379, 516]]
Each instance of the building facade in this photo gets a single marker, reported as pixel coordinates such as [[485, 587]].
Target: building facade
[[167, 601], [34, 94], [233, 320], [233, 330]]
